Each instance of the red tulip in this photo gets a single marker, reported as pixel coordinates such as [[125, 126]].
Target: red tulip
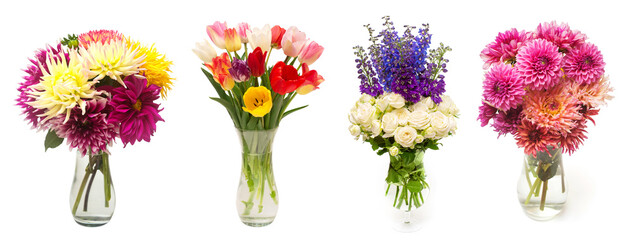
[[284, 78], [312, 80], [256, 62], [277, 34]]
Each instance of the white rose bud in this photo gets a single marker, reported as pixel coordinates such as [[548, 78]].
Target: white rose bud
[[419, 120], [403, 116], [366, 98], [419, 139], [429, 133], [440, 123], [382, 103], [405, 136], [362, 114], [429, 104], [389, 124], [395, 100], [354, 130], [376, 128], [393, 151], [420, 106]]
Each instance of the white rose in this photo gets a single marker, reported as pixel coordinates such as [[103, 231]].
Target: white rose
[[419, 120], [440, 123], [376, 128], [429, 133], [419, 139], [452, 121], [395, 100], [393, 151], [420, 106], [447, 106], [366, 98], [362, 114], [382, 103], [405, 136], [389, 124], [430, 104], [354, 130], [403, 116]]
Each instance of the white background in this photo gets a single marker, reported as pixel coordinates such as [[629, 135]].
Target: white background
[[183, 184]]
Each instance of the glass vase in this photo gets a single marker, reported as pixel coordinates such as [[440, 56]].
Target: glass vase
[[257, 197], [406, 190], [542, 186], [92, 198]]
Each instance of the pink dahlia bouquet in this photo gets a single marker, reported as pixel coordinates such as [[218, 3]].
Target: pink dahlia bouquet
[[90, 90], [403, 109], [256, 92], [543, 87]]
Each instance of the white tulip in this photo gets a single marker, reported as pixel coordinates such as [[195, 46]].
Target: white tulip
[[260, 37], [205, 51]]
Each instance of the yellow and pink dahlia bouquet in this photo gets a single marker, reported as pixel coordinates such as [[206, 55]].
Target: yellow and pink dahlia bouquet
[[93, 88]]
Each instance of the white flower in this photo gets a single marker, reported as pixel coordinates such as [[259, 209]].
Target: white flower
[[440, 123], [376, 128], [452, 121], [429, 133], [260, 37], [447, 106], [393, 151], [389, 123], [395, 100], [382, 103], [405, 136], [403, 116], [205, 51], [114, 59], [366, 98], [430, 104], [362, 114], [419, 106], [419, 120], [354, 130], [419, 139]]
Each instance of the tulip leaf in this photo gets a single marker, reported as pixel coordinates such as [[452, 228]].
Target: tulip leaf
[[293, 110], [52, 140], [217, 86], [229, 108]]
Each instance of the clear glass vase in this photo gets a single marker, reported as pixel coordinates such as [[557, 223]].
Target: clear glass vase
[[92, 199], [257, 197], [542, 186], [406, 190]]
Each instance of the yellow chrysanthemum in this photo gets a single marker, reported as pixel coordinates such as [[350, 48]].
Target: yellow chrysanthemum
[[63, 87], [114, 59], [156, 67]]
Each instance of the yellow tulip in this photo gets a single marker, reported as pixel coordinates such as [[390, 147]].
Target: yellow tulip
[[257, 101]]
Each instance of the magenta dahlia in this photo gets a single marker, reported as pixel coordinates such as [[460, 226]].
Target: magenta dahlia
[[135, 110], [533, 138], [505, 47], [584, 64], [539, 64], [486, 112], [507, 122], [503, 88], [561, 35], [89, 132]]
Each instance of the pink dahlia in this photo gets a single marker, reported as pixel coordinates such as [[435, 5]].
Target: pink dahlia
[[539, 64], [561, 35], [101, 36], [505, 47], [554, 109], [533, 138], [595, 94], [135, 110], [89, 132], [572, 140], [486, 112], [503, 88], [34, 75], [584, 64], [507, 122]]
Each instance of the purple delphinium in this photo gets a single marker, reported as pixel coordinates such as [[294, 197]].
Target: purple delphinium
[[368, 82], [239, 70]]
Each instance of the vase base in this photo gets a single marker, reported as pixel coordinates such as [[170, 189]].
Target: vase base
[[550, 211], [406, 227], [256, 221], [92, 221]]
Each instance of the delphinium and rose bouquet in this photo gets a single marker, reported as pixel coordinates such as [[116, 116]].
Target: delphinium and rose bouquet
[[403, 110], [90, 90], [257, 96], [543, 88]]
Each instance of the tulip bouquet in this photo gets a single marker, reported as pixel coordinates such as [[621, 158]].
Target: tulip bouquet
[[403, 110], [91, 89], [543, 87], [257, 96]]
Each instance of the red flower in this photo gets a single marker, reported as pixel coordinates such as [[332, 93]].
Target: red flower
[[277, 35], [256, 62], [312, 80], [284, 78]]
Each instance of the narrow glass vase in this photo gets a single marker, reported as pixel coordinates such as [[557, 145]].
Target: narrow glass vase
[[541, 188], [92, 198], [257, 197], [406, 198]]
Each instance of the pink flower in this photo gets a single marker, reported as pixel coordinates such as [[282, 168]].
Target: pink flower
[[503, 88], [242, 30], [100, 36], [505, 47], [486, 112], [216, 33], [555, 109], [584, 64], [563, 37], [89, 132], [539, 64], [232, 41], [310, 52], [507, 122], [292, 41], [533, 138]]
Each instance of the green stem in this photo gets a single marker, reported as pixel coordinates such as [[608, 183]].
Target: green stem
[[81, 191], [395, 199], [527, 174], [536, 181], [542, 207], [93, 173]]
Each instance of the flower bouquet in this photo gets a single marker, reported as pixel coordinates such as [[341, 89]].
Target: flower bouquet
[[403, 110], [543, 87], [257, 98], [89, 90]]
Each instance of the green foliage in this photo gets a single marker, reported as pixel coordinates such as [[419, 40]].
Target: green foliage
[[70, 41], [52, 140]]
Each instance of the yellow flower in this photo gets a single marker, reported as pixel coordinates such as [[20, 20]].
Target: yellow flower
[[156, 67], [114, 59], [63, 87], [258, 101]]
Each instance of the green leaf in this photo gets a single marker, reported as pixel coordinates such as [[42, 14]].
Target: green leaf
[[274, 113], [393, 177], [216, 85], [414, 186], [52, 140], [294, 110], [382, 151], [229, 108]]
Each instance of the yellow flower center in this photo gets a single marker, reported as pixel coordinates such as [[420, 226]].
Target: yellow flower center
[[137, 105]]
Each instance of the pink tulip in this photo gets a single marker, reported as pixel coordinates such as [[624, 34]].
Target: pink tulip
[[216, 33], [310, 52], [292, 41], [242, 29]]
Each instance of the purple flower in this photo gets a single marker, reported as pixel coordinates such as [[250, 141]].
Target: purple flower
[[507, 122], [503, 88], [88, 132], [539, 64], [584, 64], [135, 110], [239, 70]]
